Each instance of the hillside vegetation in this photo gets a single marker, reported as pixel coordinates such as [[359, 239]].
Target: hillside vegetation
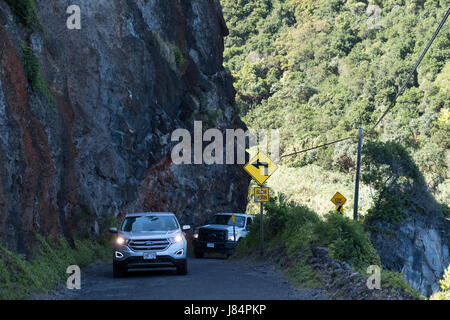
[[318, 70]]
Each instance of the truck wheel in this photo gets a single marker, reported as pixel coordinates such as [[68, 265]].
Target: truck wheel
[[199, 254], [118, 271], [182, 268]]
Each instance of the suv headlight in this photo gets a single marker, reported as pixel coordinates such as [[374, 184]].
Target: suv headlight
[[176, 239], [122, 241], [231, 236]]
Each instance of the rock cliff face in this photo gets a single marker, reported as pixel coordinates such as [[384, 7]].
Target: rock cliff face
[[136, 71], [418, 248]]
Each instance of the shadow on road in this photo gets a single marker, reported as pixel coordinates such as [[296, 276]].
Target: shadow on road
[[156, 272], [136, 273], [212, 258]]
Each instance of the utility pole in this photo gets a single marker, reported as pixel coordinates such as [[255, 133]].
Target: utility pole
[[261, 231], [358, 169]]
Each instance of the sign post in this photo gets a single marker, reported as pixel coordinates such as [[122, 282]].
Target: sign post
[[261, 194], [261, 232], [261, 168]]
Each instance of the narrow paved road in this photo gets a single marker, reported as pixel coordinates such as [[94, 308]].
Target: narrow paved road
[[207, 279]]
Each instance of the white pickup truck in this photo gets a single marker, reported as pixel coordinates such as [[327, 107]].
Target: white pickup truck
[[218, 236]]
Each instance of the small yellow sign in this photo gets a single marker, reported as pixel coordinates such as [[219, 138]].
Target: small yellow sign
[[260, 167], [338, 199], [261, 194], [233, 218]]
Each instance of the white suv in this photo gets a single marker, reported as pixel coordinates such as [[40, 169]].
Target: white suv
[[149, 239], [218, 236]]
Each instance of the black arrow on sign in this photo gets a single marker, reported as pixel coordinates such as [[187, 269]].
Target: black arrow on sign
[[339, 208], [258, 164]]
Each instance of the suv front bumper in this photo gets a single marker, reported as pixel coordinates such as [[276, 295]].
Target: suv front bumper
[[173, 256], [159, 262], [226, 247]]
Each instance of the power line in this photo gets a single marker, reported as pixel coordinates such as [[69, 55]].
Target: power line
[[413, 69]]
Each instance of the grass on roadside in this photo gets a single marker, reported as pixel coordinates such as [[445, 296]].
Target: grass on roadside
[[20, 277]]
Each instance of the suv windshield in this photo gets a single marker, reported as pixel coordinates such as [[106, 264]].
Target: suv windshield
[[149, 223], [226, 220]]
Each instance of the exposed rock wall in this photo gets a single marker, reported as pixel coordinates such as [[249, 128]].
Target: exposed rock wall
[[418, 247], [137, 70]]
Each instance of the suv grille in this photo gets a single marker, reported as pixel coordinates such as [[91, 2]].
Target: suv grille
[[212, 235], [150, 244]]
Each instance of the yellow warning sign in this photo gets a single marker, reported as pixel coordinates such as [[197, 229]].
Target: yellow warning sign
[[338, 199], [260, 167], [261, 194]]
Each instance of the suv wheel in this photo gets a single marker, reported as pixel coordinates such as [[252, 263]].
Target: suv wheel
[[118, 271], [182, 268], [199, 254]]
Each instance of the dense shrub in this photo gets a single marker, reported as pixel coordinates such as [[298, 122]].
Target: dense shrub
[[347, 240], [33, 70], [26, 13]]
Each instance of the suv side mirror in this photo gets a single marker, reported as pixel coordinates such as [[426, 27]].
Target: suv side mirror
[[113, 230], [187, 227]]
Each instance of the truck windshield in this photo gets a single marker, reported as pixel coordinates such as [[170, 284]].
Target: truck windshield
[[149, 223], [226, 220]]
